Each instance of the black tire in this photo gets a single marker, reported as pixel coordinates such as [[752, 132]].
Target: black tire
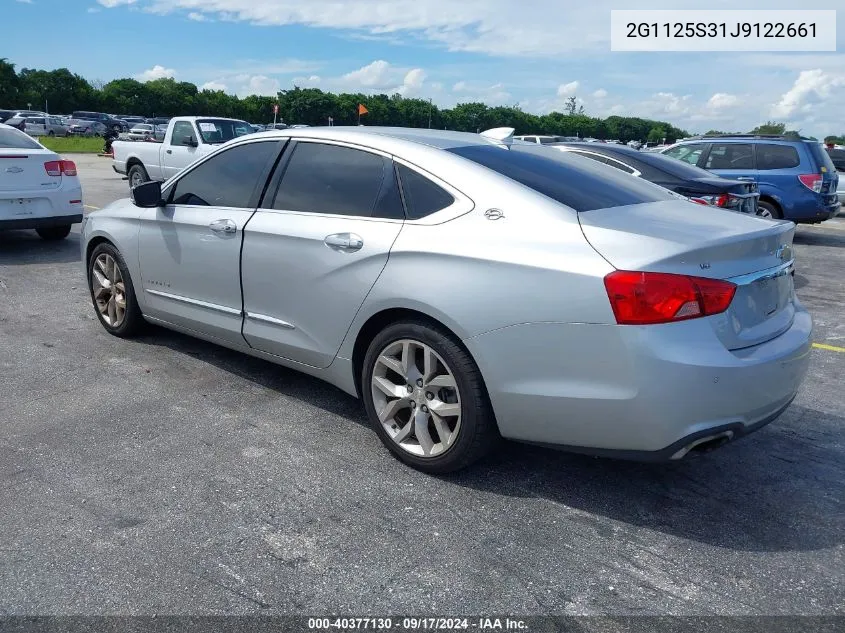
[[53, 233], [133, 321], [478, 434], [765, 207], [137, 175]]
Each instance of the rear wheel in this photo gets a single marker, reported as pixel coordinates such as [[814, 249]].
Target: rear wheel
[[137, 175], [112, 292], [52, 233], [426, 399], [766, 209]]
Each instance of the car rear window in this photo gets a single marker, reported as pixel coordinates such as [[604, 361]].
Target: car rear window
[[821, 157], [771, 156], [13, 139], [575, 181]]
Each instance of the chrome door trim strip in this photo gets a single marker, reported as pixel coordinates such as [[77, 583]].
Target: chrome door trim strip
[[195, 302], [271, 320]]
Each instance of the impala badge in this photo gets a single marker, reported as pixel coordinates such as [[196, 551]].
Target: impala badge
[[494, 214], [13, 170]]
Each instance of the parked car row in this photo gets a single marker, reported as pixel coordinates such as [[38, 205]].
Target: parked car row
[[661, 328]]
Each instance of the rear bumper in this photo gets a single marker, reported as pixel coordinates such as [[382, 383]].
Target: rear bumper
[[636, 392], [40, 223]]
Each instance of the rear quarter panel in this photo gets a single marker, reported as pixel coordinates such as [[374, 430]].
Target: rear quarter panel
[[475, 275]]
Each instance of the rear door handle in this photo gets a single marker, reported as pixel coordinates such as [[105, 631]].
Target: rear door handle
[[346, 242], [223, 226]]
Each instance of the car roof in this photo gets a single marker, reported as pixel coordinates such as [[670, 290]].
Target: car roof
[[384, 138], [745, 139]]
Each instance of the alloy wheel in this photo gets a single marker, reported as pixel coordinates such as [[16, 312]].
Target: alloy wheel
[[416, 398], [109, 290]]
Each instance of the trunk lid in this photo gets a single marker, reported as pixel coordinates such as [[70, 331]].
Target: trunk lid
[[22, 170], [690, 239]]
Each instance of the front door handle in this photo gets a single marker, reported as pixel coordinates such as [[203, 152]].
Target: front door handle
[[223, 226], [170, 151], [346, 242]]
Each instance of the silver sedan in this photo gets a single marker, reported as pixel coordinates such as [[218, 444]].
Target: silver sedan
[[467, 288]]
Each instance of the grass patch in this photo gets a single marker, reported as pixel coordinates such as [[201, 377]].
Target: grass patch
[[73, 144]]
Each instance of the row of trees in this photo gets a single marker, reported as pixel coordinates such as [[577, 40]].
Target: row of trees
[[62, 91]]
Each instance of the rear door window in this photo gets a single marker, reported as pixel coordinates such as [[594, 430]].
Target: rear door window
[[338, 180], [771, 156], [730, 156], [579, 184]]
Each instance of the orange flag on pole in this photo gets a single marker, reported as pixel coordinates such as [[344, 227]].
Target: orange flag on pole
[[362, 109]]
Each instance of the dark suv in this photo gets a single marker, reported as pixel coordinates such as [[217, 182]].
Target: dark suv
[[110, 122], [796, 177]]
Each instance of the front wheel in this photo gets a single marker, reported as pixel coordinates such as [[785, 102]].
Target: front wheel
[[426, 398], [53, 233], [112, 292]]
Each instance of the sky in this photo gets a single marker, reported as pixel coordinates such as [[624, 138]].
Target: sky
[[531, 53]]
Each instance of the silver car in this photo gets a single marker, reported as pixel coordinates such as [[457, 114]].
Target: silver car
[[45, 126], [467, 288]]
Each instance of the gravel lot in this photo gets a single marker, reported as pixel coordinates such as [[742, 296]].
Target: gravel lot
[[168, 475]]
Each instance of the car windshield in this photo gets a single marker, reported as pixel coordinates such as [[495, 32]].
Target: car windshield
[[13, 139], [579, 183], [222, 130]]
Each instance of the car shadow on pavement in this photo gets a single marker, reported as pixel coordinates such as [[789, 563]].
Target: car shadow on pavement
[[776, 490], [819, 239], [25, 247]]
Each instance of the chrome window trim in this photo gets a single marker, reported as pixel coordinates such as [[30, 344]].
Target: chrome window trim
[[255, 316], [577, 150]]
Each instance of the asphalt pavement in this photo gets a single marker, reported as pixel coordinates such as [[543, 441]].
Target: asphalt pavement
[[167, 475]]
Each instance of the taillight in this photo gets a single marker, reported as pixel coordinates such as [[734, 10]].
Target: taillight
[[59, 167], [812, 181], [640, 298], [722, 200]]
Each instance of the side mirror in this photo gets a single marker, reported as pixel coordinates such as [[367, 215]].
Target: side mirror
[[190, 141], [147, 195]]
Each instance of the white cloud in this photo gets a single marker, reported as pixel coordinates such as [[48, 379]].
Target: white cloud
[[93, 10], [811, 87], [459, 87], [110, 4], [198, 17], [413, 83], [156, 72], [307, 82], [722, 100], [214, 85], [374, 75], [260, 85], [601, 93], [567, 90], [25, 1]]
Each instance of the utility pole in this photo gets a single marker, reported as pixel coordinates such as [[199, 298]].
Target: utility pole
[[429, 113]]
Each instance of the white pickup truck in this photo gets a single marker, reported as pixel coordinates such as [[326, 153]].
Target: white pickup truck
[[187, 139]]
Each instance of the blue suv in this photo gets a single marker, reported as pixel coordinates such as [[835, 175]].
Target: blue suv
[[796, 177]]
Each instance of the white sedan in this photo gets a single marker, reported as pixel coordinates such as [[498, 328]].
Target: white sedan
[[38, 189]]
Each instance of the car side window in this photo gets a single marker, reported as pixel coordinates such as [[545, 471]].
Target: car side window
[[422, 196], [227, 179], [730, 156], [337, 180], [687, 153], [182, 130], [771, 156]]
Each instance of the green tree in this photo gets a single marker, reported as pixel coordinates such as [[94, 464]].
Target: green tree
[[9, 84], [770, 127], [657, 134], [57, 90], [571, 106]]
